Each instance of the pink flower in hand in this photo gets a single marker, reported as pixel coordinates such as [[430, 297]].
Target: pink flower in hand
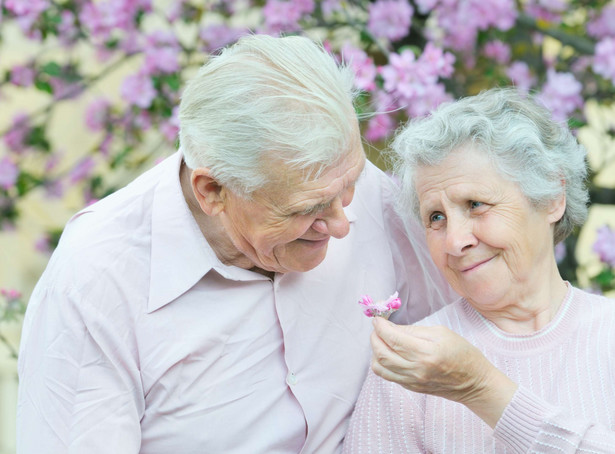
[[380, 308]]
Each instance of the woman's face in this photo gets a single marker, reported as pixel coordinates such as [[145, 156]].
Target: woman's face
[[493, 247]]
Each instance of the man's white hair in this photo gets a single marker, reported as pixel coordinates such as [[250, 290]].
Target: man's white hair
[[267, 99]]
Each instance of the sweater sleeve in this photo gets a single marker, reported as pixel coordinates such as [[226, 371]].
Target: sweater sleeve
[[386, 419], [529, 424]]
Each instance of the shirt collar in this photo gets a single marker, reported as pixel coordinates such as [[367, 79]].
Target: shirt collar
[[180, 254]]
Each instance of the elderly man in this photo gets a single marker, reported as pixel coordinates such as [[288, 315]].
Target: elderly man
[[211, 305]]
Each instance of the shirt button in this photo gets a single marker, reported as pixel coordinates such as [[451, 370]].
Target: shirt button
[[291, 379]]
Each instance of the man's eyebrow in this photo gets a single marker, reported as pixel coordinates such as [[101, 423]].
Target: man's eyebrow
[[316, 208], [324, 205]]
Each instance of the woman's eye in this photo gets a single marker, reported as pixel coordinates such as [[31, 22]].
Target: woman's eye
[[475, 204], [436, 217]]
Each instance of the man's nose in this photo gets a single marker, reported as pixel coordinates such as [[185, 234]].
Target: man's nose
[[332, 221]]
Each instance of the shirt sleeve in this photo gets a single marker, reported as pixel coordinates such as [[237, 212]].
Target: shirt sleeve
[[79, 383], [529, 424], [387, 418]]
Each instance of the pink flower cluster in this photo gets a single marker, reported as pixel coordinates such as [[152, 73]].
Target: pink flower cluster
[[138, 90], [11, 295], [161, 53], [604, 59], [546, 10], [101, 19], [97, 114], [602, 25], [409, 78], [561, 94], [362, 65], [413, 82], [22, 75], [498, 51], [284, 15], [461, 20], [16, 137], [216, 36], [27, 13], [520, 75], [604, 245], [409, 83], [81, 170], [380, 308], [8, 173], [390, 19]]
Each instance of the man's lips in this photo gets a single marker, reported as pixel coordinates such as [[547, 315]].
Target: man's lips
[[316, 242], [475, 265]]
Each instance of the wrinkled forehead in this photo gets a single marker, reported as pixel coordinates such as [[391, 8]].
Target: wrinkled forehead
[[324, 180], [286, 172]]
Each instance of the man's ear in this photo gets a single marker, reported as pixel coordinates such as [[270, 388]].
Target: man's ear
[[208, 192]]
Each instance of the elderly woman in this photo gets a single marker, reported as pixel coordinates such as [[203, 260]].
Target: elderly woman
[[523, 361]]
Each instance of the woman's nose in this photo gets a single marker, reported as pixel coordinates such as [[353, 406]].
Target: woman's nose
[[459, 235]]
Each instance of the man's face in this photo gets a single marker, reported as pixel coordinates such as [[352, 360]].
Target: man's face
[[288, 223]]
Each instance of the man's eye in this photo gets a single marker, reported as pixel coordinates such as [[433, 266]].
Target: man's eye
[[475, 204]]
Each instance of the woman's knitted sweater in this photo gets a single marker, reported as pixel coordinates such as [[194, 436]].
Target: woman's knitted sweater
[[565, 402]]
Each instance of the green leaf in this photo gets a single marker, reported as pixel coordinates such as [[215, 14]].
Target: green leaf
[[606, 278], [51, 68], [26, 182], [575, 123], [43, 86], [173, 81], [36, 138], [120, 157]]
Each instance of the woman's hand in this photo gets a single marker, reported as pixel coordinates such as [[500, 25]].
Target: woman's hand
[[437, 361]]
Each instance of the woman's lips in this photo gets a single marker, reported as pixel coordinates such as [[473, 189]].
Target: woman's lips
[[475, 265]]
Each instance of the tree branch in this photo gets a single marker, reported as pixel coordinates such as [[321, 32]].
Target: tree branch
[[581, 44], [11, 349]]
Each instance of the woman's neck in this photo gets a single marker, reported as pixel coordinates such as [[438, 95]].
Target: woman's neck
[[530, 311]]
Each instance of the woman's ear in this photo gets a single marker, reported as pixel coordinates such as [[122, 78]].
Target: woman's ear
[[208, 192], [558, 206]]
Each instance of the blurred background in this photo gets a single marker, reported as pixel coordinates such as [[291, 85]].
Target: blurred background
[[89, 90]]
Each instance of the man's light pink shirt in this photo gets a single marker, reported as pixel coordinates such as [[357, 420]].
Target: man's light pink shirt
[[139, 340]]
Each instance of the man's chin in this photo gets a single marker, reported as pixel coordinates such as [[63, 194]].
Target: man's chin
[[306, 260]]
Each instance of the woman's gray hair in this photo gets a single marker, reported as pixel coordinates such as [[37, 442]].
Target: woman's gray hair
[[517, 133], [265, 99]]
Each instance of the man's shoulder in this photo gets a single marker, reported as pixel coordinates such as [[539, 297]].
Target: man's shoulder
[[375, 192], [109, 235]]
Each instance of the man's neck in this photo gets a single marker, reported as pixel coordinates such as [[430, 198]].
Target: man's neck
[[213, 230]]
